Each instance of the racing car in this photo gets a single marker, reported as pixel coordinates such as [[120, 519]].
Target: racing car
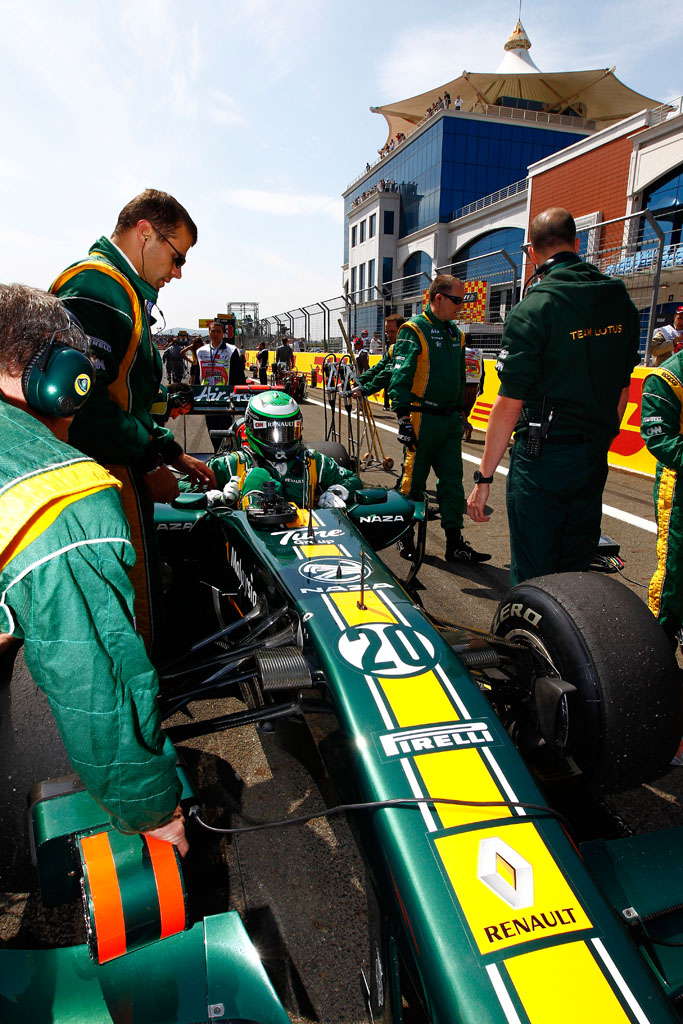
[[440, 744]]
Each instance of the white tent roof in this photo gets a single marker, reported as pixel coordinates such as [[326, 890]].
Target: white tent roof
[[596, 95]]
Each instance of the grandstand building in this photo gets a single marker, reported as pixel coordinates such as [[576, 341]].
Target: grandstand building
[[457, 183]]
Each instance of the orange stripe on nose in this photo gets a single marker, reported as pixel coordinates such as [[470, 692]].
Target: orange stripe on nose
[[169, 886], [110, 928]]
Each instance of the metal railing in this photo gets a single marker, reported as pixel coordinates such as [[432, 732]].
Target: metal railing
[[494, 197], [631, 248], [488, 110]]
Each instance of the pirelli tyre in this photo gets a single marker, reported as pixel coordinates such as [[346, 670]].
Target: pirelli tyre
[[621, 725]]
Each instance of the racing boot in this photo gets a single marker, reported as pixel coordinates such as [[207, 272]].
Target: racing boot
[[459, 550]]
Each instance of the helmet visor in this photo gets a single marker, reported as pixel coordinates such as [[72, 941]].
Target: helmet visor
[[276, 432]]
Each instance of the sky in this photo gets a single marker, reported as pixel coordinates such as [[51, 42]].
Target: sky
[[255, 116]]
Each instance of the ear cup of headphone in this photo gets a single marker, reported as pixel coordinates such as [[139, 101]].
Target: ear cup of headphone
[[56, 381]]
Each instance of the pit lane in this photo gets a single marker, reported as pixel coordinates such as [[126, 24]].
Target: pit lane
[[301, 890]]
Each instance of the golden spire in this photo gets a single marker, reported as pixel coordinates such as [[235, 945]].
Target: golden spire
[[518, 40]]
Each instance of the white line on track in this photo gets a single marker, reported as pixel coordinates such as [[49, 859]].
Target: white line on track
[[607, 510]]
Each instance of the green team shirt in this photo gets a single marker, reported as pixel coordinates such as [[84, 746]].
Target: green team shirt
[[115, 426], [429, 365], [661, 424], [64, 590], [573, 341]]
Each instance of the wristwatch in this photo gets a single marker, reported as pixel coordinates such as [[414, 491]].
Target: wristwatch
[[479, 479]]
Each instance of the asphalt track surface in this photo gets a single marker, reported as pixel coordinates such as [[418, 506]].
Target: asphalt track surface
[[301, 890]]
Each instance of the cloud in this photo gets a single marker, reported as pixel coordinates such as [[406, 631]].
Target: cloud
[[285, 204], [223, 108], [558, 40]]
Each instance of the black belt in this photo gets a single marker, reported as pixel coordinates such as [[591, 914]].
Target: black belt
[[559, 438], [444, 411]]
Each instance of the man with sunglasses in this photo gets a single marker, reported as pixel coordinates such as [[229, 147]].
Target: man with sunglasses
[[426, 391], [113, 292]]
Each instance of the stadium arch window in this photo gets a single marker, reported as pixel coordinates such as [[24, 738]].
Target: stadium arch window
[[417, 273], [664, 200], [481, 260]]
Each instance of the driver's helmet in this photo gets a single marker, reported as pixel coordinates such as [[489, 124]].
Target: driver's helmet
[[273, 425]]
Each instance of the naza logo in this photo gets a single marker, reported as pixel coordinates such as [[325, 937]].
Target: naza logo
[[386, 649]]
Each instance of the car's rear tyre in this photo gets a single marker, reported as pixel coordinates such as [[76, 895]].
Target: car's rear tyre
[[624, 722], [335, 450]]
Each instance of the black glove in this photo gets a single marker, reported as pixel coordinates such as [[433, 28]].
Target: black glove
[[406, 434]]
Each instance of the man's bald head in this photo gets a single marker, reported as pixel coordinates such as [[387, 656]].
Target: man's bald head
[[553, 230]]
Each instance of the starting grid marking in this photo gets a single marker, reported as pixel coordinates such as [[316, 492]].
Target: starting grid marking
[[607, 510]]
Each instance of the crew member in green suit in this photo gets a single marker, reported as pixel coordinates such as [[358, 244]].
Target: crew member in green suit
[[662, 430], [112, 293], [568, 349], [426, 392], [65, 554]]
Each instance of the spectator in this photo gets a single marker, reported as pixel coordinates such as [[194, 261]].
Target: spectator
[[285, 354], [667, 340], [220, 363], [361, 354], [189, 354], [173, 359], [458, 102], [262, 360], [446, 100]]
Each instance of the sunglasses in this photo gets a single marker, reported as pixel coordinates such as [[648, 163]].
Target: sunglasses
[[455, 299], [525, 246], [178, 259]]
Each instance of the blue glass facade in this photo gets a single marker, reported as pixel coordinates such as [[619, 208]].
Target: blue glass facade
[[456, 161], [664, 200], [509, 239]]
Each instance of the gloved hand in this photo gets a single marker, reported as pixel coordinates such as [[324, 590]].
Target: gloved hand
[[335, 496], [214, 498], [231, 491], [406, 434], [172, 831]]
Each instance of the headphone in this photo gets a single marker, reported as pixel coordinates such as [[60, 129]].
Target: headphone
[[560, 257], [56, 380]]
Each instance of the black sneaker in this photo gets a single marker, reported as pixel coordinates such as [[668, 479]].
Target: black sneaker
[[461, 550], [406, 548]]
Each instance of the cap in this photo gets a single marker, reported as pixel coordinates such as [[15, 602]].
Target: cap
[[679, 310], [363, 332]]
